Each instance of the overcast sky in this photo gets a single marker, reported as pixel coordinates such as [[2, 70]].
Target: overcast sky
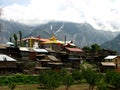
[[101, 14]]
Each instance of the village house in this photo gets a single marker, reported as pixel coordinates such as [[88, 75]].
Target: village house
[[13, 52], [42, 54], [7, 65], [24, 53], [54, 62], [30, 41], [73, 56], [115, 59], [106, 66], [73, 50], [49, 62], [35, 53], [111, 62], [97, 56]]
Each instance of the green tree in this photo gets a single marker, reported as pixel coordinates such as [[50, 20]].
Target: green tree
[[66, 78], [49, 79], [91, 78], [15, 39], [20, 35], [115, 80], [95, 47], [101, 85], [63, 72], [86, 48], [68, 81], [108, 76], [77, 75]]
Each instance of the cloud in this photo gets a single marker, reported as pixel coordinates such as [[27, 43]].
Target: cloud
[[101, 14], [4, 3]]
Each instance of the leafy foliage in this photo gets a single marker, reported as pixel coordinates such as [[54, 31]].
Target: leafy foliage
[[95, 47], [77, 75], [68, 81], [19, 79], [86, 48], [108, 76], [115, 81], [102, 85], [91, 77], [50, 79]]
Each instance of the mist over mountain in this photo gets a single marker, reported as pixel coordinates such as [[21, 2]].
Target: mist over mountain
[[82, 34]]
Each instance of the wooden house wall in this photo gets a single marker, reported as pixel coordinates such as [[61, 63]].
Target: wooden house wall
[[32, 55], [25, 55], [106, 68], [117, 61], [13, 52], [3, 50], [7, 64]]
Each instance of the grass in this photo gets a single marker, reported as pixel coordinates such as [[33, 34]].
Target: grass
[[21, 87], [34, 87]]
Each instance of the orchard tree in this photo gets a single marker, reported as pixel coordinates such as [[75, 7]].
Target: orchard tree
[[68, 81], [108, 76], [115, 81], [63, 72], [49, 79], [91, 77], [113, 78], [102, 85], [77, 75], [66, 78]]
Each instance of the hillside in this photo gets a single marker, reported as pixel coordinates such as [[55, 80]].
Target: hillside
[[8, 28], [113, 44], [82, 34]]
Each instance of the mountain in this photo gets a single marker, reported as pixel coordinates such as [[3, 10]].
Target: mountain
[[113, 44], [8, 28], [82, 34]]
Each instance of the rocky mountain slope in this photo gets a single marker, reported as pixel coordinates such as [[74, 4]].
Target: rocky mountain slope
[[82, 34], [113, 44]]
